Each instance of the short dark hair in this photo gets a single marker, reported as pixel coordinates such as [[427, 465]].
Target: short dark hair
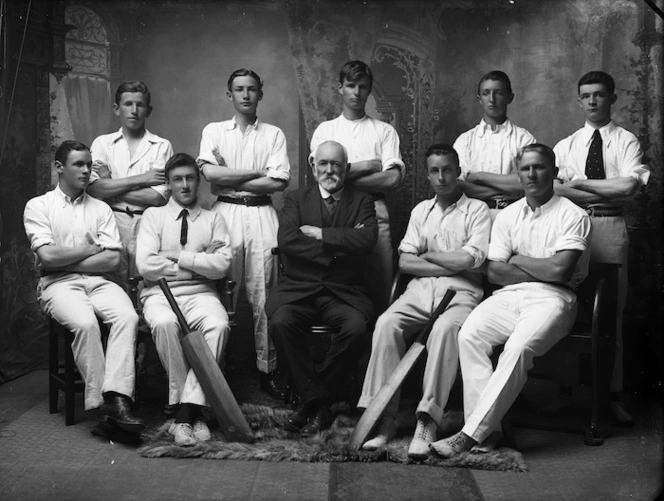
[[540, 148], [354, 70], [132, 86], [598, 77], [66, 147], [442, 150], [501, 76], [244, 72], [181, 160]]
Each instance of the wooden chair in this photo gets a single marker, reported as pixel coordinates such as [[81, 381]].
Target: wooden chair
[[64, 375]]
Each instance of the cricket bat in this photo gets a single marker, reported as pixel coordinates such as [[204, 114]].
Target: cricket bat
[[214, 384], [379, 402]]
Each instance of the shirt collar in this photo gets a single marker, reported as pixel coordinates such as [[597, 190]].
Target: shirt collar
[[336, 195], [232, 124], [605, 132], [503, 128], [542, 209], [357, 120], [461, 204], [66, 198], [148, 136], [174, 209]]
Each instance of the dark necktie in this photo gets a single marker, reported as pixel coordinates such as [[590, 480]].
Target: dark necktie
[[185, 226], [595, 160], [331, 204]]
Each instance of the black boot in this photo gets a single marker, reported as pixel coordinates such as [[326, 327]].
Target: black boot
[[116, 411], [271, 385]]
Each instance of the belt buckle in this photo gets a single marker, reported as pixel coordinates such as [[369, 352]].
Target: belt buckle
[[590, 211], [129, 211], [501, 203], [246, 201]]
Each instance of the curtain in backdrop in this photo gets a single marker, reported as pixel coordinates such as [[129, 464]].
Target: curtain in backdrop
[[88, 103]]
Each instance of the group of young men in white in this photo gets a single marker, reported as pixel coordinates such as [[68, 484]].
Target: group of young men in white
[[527, 217]]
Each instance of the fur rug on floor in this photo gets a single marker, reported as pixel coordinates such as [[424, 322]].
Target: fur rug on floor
[[274, 443]]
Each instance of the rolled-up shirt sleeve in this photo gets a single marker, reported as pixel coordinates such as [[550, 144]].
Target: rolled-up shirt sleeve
[[208, 145], [479, 233], [108, 236], [390, 154], [500, 246], [575, 235], [277, 164], [631, 165], [37, 225], [413, 242]]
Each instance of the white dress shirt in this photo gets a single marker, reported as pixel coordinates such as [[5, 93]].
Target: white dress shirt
[[112, 149], [365, 139], [620, 149], [557, 225], [55, 219], [261, 146], [482, 149], [464, 225]]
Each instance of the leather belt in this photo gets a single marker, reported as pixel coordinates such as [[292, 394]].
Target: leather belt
[[599, 211], [248, 201], [129, 211], [499, 203]]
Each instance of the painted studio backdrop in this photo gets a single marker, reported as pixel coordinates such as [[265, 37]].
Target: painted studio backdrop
[[61, 62]]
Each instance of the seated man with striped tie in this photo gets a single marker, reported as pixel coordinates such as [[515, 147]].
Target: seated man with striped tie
[[601, 168], [189, 246]]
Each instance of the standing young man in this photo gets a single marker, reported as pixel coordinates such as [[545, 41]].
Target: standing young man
[[488, 151], [601, 169], [537, 255], [444, 246], [128, 169], [188, 246], [375, 165], [246, 161], [76, 242]]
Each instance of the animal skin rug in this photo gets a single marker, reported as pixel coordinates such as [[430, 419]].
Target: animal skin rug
[[274, 443]]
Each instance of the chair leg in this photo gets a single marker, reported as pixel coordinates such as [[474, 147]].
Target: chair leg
[[53, 344], [70, 379]]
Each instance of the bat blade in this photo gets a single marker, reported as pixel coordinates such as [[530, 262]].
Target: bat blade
[[379, 402], [209, 375], [216, 389]]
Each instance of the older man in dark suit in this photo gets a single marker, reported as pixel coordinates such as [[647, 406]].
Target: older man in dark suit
[[325, 234]]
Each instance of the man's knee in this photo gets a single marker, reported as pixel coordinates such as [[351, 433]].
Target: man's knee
[[282, 323]]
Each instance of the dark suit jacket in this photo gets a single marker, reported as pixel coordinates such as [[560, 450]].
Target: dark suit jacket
[[336, 262]]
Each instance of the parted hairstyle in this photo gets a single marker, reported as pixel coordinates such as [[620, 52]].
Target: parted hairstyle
[[540, 148], [132, 86], [442, 149], [62, 153], [354, 70], [598, 77], [501, 76], [181, 160], [244, 72]]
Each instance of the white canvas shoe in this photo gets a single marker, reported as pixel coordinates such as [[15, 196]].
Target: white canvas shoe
[[425, 434], [201, 431], [453, 446], [183, 434], [387, 430]]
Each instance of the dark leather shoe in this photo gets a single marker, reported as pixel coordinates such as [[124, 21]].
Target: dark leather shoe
[[297, 419], [171, 410], [116, 411], [320, 420], [110, 432], [270, 384]]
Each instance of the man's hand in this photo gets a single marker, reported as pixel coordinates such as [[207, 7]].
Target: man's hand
[[154, 177], [172, 255], [217, 156], [312, 231], [214, 246], [102, 170]]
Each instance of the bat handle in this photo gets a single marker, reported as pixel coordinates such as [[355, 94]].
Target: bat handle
[[163, 285], [444, 303]]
